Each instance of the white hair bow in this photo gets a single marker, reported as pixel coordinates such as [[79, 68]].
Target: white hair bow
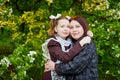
[[55, 17], [68, 17]]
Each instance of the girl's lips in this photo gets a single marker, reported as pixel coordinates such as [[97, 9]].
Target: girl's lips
[[65, 33]]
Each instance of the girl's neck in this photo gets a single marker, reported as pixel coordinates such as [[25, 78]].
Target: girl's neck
[[61, 37]]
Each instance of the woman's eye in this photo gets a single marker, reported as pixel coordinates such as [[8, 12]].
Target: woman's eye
[[77, 26]]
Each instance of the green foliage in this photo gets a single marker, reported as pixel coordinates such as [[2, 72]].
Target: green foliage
[[27, 24], [60, 6], [20, 62], [106, 36]]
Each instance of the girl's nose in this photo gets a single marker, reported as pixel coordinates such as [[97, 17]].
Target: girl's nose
[[67, 29]]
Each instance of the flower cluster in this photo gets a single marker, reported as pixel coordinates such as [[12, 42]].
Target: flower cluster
[[31, 53], [5, 61]]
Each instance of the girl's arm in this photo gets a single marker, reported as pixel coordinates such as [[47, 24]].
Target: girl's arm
[[56, 51]]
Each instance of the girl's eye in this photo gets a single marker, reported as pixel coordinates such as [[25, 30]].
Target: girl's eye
[[62, 26], [70, 27]]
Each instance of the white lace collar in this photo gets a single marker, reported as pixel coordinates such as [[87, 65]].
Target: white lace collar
[[64, 42]]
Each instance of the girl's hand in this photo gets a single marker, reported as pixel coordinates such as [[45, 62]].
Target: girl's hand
[[50, 65], [90, 33], [85, 40]]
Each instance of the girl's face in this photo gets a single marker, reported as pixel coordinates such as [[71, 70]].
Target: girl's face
[[62, 28], [76, 29]]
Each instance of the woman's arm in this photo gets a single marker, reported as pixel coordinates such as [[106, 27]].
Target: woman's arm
[[78, 63]]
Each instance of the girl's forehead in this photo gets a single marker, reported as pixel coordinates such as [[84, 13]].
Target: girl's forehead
[[63, 21]]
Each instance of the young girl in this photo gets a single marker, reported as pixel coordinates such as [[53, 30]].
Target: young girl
[[59, 47]]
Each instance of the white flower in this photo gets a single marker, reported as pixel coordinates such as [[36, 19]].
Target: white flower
[[107, 6], [50, 1], [25, 73], [93, 25], [117, 55], [107, 72], [18, 67], [118, 13], [31, 53], [32, 60], [118, 72], [15, 77], [98, 7], [10, 10], [5, 61], [43, 26], [102, 25], [96, 21]]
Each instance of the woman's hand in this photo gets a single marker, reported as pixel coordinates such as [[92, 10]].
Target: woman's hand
[[50, 65]]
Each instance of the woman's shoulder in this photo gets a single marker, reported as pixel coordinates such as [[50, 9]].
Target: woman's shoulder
[[92, 41], [91, 45]]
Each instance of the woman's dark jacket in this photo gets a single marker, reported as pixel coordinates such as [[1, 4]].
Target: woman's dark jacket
[[83, 67]]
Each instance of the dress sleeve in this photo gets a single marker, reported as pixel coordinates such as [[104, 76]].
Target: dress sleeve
[[55, 50], [78, 64]]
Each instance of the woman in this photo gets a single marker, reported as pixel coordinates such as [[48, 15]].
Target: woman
[[85, 65]]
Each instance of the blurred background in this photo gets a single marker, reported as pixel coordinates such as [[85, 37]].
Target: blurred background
[[24, 25]]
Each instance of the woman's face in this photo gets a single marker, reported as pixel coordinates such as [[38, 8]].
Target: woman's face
[[62, 28], [76, 30]]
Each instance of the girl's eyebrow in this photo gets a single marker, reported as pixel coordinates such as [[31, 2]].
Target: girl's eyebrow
[[62, 25]]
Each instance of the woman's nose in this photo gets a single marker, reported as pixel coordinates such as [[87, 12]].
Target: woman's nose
[[74, 29]]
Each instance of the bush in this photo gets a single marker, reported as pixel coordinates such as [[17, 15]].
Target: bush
[[28, 25]]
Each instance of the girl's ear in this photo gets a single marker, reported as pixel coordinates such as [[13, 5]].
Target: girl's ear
[[55, 29]]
